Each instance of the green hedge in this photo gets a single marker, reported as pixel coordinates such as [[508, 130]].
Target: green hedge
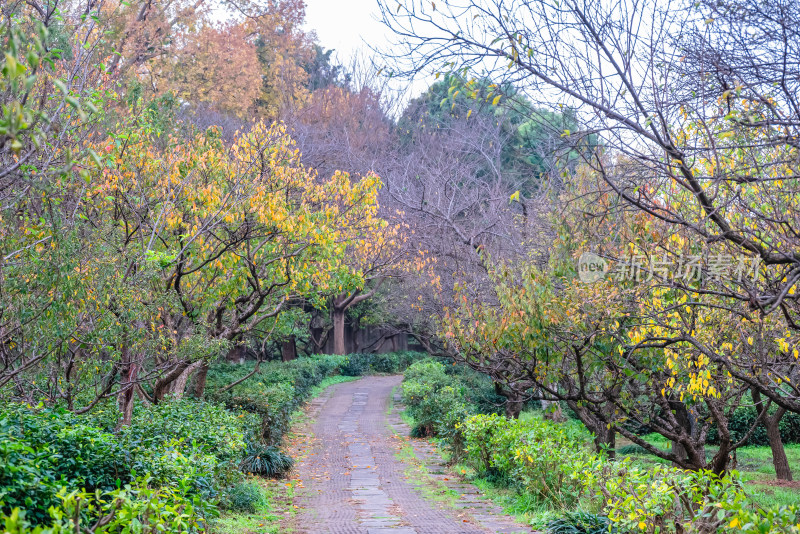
[[439, 396], [523, 453], [435, 400], [173, 465], [48, 455], [742, 420], [554, 464]]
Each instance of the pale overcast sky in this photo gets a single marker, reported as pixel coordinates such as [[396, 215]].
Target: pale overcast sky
[[344, 25], [350, 27]]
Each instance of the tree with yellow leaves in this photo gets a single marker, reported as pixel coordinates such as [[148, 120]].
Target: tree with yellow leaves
[[234, 233]]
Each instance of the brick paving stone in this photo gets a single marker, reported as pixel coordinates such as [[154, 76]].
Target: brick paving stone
[[353, 482]]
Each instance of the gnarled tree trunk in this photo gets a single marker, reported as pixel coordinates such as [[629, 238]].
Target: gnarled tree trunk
[[178, 386], [605, 435], [339, 306], [772, 424]]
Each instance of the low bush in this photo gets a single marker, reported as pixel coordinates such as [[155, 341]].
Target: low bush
[[355, 365], [393, 362], [661, 499], [478, 388], [266, 460], [245, 496], [633, 448], [581, 523], [47, 454], [43, 451], [133, 508], [207, 427], [553, 463], [435, 400], [524, 452]]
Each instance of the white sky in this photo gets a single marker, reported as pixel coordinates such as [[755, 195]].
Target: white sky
[[344, 25], [350, 27]]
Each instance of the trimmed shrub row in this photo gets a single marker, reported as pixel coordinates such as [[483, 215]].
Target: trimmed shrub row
[[176, 463], [51, 460]]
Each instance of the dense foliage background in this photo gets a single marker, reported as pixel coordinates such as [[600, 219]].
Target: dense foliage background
[[197, 203]]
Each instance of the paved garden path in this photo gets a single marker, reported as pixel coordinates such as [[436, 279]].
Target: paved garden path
[[359, 473]]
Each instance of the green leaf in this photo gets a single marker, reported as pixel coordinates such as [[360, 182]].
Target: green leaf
[[33, 59]]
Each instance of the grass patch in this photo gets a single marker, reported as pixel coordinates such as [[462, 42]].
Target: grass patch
[[265, 519], [417, 473], [524, 508], [328, 381], [390, 404], [407, 419], [415, 470]]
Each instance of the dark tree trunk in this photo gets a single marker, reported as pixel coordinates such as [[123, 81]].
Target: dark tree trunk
[[338, 331], [178, 386], [200, 381], [772, 424], [318, 340], [339, 306], [779, 459], [514, 405], [236, 354], [354, 338], [605, 439], [691, 453], [164, 385], [289, 349], [318, 332]]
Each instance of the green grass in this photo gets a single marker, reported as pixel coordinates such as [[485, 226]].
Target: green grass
[[266, 518], [328, 381], [521, 506], [390, 404]]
